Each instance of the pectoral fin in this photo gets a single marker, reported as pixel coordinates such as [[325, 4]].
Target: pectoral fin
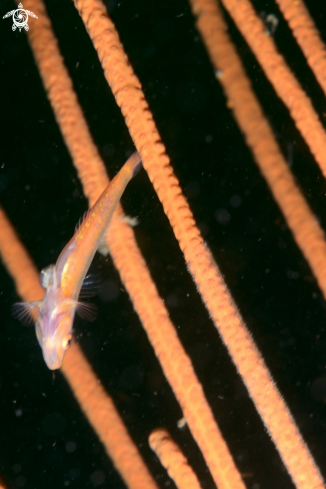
[[86, 310], [26, 312], [90, 286]]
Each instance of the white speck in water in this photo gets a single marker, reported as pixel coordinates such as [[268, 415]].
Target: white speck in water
[[182, 423]]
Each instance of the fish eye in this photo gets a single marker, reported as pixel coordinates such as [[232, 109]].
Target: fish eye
[[66, 342]]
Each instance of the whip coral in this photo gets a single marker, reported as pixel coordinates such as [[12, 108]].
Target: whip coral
[[240, 248]]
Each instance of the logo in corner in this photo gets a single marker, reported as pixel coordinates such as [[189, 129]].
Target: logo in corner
[[20, 18]]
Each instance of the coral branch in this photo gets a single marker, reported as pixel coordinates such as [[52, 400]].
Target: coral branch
[[301, 220], [199, 259], [103, 416], [133, 270], [69, 115], [95, 402], [279, 74], [121, 241], [307, 36], [175, 362], [18, 262], [173, 460], [259, 136]]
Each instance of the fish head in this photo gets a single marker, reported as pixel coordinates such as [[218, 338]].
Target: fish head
[[54, 335]]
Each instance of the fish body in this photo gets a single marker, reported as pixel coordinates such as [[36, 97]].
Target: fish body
[[63, 281]]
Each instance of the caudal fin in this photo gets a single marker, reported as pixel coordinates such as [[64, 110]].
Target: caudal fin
[[135, 163]]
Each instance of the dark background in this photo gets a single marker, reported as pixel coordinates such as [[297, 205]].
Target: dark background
[[45, 441]]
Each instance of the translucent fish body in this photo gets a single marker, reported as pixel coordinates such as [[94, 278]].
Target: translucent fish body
[[63, 281]]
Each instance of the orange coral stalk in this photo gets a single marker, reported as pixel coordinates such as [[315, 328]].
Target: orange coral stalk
[[173, 460], [96, 404], [127, 257], [175, 362], [99, 409], [279, 74], [210, 283], [18, 262], [69, 116], [304, 225], [307, 36], [259, 136]]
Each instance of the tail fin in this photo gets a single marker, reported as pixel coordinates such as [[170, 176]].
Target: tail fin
[[135, 163]]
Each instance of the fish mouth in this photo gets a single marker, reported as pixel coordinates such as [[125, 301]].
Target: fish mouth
[[52, 358]]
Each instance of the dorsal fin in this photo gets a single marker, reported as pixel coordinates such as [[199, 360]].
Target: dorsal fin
[[82, 220]]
